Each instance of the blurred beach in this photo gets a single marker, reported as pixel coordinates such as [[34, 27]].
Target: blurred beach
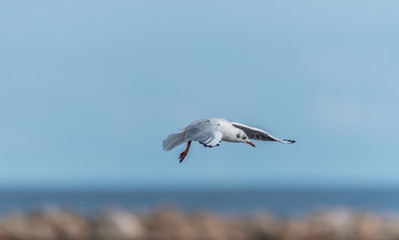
[[202, 214]]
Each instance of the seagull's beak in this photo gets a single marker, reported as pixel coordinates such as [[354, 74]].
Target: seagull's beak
[[250, 143]]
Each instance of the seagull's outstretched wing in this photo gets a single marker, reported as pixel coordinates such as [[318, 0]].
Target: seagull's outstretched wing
[[205, 131], [258, 134]]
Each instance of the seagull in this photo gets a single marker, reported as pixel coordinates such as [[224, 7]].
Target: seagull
[[211, 131]]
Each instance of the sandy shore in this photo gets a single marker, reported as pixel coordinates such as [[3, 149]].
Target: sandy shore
[[174, 225]]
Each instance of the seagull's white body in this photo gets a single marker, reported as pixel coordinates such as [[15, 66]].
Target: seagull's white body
[[211, 131]]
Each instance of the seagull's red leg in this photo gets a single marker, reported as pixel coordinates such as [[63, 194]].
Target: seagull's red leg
[[184, 154]]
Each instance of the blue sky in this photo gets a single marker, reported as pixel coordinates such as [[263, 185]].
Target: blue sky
[[88, 91]]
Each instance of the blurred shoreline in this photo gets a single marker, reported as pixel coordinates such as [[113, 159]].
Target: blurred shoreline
[[174, 224], [286, 214]]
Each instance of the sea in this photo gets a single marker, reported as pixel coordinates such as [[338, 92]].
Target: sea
[[280, 202]]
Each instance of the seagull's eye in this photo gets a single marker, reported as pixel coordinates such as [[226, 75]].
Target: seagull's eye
[[238, 135], [244, 138]]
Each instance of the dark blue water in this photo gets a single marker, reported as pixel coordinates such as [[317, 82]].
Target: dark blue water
[[281, 202]]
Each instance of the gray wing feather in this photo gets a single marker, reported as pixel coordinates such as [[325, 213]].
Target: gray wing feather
[[258, 134], [204, 131]]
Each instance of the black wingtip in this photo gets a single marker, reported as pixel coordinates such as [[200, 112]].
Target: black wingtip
[[289, 141]]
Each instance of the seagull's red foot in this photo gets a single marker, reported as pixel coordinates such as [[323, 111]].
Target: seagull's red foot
[[184, 154]]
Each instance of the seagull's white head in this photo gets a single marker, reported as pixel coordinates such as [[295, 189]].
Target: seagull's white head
[[241, 136]]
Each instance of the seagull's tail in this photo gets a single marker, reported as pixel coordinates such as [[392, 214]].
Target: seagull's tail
[[173, 140], [287, 141]]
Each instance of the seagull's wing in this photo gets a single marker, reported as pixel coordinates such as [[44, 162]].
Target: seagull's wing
[[258, 134], [205, 131]]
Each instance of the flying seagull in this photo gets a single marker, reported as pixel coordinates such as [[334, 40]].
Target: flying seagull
[[211, 131]]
